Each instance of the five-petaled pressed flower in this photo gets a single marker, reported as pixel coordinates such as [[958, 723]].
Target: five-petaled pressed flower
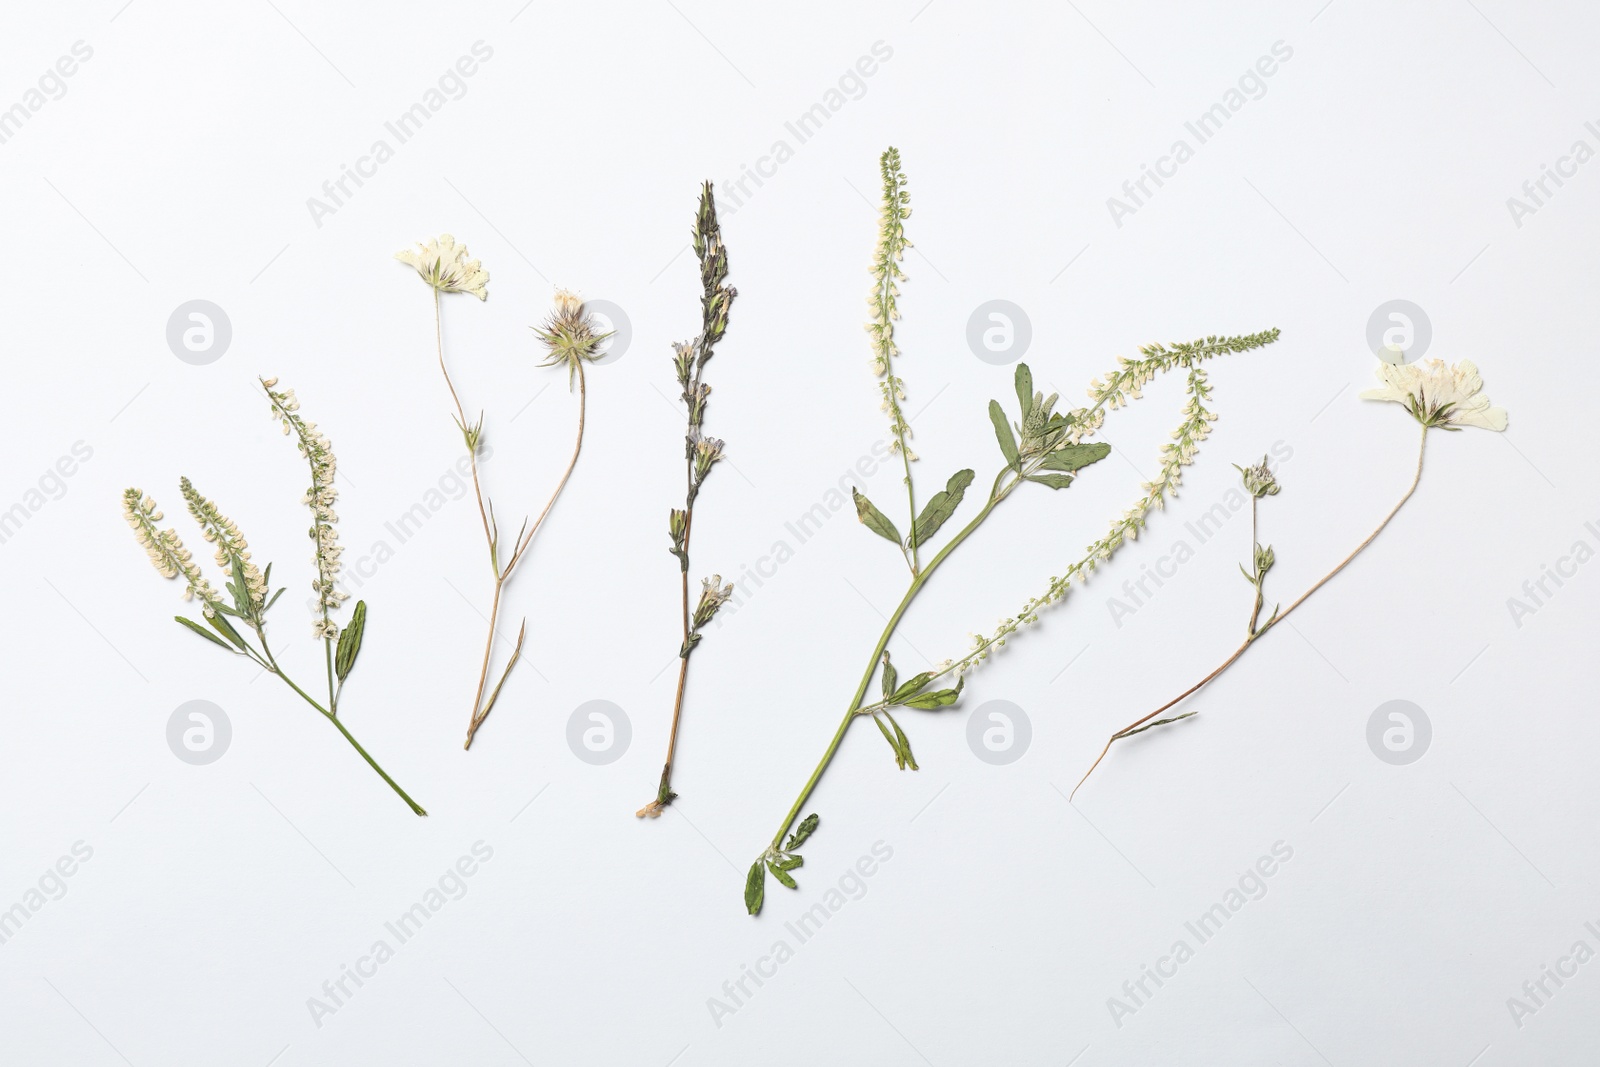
[[1438, 394], [444, 265]]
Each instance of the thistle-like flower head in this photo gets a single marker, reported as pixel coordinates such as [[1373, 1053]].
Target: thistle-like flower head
[[1438, 394], [568, 335], [1259, 480], [444, 265]]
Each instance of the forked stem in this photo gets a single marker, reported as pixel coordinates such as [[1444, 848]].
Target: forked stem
[[1135, 725]]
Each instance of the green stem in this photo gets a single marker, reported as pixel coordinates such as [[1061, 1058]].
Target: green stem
[[326, 714], [877, 654]]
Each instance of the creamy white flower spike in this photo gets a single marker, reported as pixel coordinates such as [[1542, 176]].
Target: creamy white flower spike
[[1439, 394], [444, 265]]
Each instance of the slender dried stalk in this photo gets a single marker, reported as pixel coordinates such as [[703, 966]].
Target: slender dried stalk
[[1139, 725], [700, 455]]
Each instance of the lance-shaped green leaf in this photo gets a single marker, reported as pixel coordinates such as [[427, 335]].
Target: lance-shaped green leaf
[[1054, 481], [783, 876], [203, 632], [940, 507], [350, 641], [807, 827], [873, 519], [755, 887], [1025, 389], [225, 628], [1075, 457], [790, 863], [910, 688], [939, 698], [890, 675], [905, 744], [894, 744], [1003, 434]]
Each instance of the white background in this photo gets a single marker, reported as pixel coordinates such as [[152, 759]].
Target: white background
[[1377, 164]]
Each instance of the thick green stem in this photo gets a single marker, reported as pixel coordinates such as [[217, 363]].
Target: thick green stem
[[877, 655]]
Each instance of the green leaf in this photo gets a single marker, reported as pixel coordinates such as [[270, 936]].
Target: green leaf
[[905, 745], [225, 628], [910, 688], [1075, 457], [755, 887], [940, 507], [939, 698], [350, 642], [873, 519], [1054, 481], [890, 675], [790, 863], [1002, 433], [783, 876], [1025, 389], [899, 754], [203, 632], [274, 600], [807, 827]]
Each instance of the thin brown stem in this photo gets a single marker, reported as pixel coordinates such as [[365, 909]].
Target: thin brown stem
[[1254, 634], [480, 708]]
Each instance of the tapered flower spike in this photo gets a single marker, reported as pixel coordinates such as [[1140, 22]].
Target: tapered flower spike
[[166, 550], [444, 265]]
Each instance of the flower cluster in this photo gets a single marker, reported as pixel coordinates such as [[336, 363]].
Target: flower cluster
[[166, 550], [233, 551], [318, 451], [1438, 394], [713, 594], [569, 336], [886, 271], [444, 265], [1259, 481], [1119, 387]]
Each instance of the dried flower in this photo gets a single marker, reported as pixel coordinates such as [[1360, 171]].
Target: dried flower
[[444, 265], [1438, 394], [1259, 480], [166, 550], [569, 336], [318, 451], [233, 554], [713, 594]]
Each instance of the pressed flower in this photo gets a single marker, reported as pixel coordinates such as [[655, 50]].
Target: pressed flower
[[1438, 394], [568, 335], [249, 587], [443, 264]]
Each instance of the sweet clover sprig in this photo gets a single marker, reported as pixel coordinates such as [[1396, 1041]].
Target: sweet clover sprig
[[700, 455], [570, 340], [1040, 446], [1438, 397], [249, 588]]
